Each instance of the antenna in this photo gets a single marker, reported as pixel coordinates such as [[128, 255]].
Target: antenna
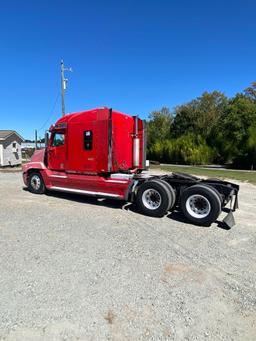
[[63, 84]]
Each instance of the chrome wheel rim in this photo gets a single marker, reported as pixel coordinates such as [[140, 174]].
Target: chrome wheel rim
[[35, 182], [151, 199], [198, 206]]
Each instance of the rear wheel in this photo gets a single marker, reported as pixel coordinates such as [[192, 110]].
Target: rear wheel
[[171, 192], [153, 198], [36, 183], [201, 204]]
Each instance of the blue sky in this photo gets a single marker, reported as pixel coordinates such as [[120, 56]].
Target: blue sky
[[134, 56]]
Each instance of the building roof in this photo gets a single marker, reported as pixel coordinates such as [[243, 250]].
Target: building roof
[[4, 134]]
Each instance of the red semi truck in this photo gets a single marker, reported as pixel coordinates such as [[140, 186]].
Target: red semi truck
[[102, 152]]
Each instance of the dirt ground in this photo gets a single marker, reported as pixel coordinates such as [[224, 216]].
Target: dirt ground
[[78, 268]]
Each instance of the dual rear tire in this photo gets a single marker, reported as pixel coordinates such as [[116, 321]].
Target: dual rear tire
[[201, 204], [155, 198]]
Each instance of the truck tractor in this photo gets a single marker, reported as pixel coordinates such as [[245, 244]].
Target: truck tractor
[[102, 153]]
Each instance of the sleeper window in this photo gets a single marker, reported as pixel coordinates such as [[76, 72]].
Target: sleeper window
[[88, 140]]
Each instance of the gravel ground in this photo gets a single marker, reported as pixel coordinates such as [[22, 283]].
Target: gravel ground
[[77, 268]]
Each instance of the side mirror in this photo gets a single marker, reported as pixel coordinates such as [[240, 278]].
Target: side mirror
[[46, 139]]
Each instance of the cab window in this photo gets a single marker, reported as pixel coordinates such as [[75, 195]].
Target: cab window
[[58, 139]]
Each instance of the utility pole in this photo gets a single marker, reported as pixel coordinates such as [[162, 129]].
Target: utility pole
[[63, 85], [35, 139]]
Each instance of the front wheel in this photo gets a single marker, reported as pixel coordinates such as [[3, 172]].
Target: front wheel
[[36, 183], [201, 204], [153, 198]]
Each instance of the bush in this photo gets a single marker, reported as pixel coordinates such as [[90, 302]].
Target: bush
[[188, 149]]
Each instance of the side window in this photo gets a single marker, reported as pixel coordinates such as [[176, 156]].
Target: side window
[[88, 140], [58, 140]]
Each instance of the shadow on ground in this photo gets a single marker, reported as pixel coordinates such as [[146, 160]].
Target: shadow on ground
[[122, 205], [112, 203], [178, 216]]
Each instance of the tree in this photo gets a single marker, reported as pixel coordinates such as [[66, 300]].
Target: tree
[[252, 144], [188, 149], [159, 125], [210, 128], [232, 129], [251, 91], [199, 115]]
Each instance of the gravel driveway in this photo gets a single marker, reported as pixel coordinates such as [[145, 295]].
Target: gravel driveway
[[78, 268]]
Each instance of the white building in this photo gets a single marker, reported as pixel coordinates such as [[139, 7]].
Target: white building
[[10, 148]]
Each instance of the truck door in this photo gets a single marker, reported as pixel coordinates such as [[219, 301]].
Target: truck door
[[57, 152]]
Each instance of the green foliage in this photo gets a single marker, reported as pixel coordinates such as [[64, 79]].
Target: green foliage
[[251, 91], [188, 149], [210, 128], [159, 125], [252, 137], [199, 115], [251, 143], [232, 129]]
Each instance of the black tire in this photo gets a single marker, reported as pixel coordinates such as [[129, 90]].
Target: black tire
[[215, 190], [160, 197], [36, 183], [201, 204], [172, 193]]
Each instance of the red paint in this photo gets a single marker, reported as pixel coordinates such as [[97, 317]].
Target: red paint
[[97, 143]]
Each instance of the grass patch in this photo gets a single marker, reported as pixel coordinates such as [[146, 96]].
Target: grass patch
[[248, 176]]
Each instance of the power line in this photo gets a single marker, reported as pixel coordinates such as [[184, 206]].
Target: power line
[[51, 112]]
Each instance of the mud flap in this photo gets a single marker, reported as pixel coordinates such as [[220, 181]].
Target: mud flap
[[229, 220]]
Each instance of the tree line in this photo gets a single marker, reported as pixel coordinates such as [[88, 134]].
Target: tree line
[[209, 129]]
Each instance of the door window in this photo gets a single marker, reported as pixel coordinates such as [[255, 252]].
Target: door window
[[58, 139]]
